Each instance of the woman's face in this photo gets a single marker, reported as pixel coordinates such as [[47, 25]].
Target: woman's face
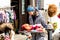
[[31, 13], [53, 9]]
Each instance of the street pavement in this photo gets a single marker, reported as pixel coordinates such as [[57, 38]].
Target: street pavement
[[20, 37]]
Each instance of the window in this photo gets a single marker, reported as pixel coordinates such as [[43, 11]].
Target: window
[[23, 7]]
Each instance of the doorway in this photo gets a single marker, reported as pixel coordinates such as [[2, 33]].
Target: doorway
[[16, 10], [21, 13]]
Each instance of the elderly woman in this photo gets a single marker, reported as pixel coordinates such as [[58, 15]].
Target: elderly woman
[[54, 20]]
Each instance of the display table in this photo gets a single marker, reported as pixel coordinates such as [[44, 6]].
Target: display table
[[36, 34], [49, 34]]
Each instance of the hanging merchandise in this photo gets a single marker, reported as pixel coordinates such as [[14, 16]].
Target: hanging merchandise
[[2, 16], [7, 17], [11, 15], [14, 15]]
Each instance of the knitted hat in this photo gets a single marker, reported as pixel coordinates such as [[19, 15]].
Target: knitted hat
[[30, 8]]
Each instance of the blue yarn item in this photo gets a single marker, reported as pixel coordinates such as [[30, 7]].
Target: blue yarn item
[[30, 8]]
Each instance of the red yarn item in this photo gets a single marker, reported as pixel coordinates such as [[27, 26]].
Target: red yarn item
[[59, 15]]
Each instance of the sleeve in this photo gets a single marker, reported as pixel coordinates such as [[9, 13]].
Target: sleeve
[[44, 24]]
